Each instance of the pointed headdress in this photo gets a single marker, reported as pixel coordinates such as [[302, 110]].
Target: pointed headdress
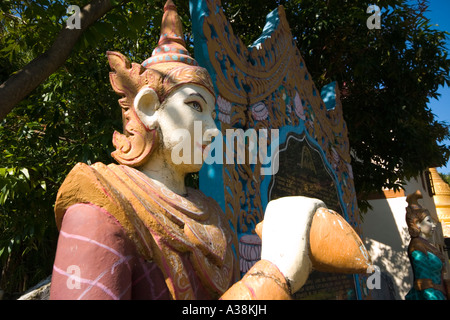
[[169, 67], [415, 213], [171, 45]]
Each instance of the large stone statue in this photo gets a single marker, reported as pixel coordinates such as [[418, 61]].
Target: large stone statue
[[426, 260], [133, 230]]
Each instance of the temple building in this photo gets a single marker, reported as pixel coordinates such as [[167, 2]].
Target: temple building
[[442, 202], [385, 232]]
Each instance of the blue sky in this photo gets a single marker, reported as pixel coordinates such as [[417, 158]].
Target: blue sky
[[440, 14]]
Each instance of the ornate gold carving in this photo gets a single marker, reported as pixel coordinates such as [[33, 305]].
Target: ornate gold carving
[[267, 86]]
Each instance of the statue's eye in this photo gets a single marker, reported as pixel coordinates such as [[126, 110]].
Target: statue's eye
[[195, 105]]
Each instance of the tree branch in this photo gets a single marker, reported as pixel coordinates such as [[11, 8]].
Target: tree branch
[[24, 81]]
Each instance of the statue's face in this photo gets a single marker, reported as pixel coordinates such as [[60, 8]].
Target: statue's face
[[186, 122], [427, 226]]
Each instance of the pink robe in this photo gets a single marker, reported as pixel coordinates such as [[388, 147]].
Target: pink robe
[[122, 236]]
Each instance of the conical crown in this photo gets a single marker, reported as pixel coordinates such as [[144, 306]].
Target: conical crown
[[171, 45]]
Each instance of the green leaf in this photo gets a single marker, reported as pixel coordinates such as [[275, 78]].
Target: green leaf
[[25, 173]]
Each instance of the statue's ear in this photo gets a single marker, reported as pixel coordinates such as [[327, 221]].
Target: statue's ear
[[146, 103], [418, 225]]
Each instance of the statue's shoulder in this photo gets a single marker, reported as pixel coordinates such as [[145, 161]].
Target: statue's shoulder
[[420, 245], [100, 185], [86, 184]]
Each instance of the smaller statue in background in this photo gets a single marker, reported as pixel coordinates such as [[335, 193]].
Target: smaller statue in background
[[427, 261]]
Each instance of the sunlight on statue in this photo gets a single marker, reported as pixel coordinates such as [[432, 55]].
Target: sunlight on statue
[[134, 230], [427, 261]]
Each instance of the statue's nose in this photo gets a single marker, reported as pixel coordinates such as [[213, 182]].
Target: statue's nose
[[210, 133]]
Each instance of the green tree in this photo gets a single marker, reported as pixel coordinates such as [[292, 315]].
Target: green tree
[[445, 177], [386, 76], [69, 118]]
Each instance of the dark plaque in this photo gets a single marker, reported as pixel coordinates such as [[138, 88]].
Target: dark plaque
[[303, 172]]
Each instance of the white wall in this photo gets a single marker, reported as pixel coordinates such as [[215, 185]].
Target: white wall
[[386, 236]]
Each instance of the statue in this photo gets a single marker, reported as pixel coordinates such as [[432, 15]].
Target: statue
[[133, 230], [426, 260]]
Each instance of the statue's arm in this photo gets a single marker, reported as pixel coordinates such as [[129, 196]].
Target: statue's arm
[[300, 234], [264, 281], [92, 257], [285, 265]]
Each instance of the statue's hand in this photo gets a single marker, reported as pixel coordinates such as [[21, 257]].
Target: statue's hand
[[285, 237]]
